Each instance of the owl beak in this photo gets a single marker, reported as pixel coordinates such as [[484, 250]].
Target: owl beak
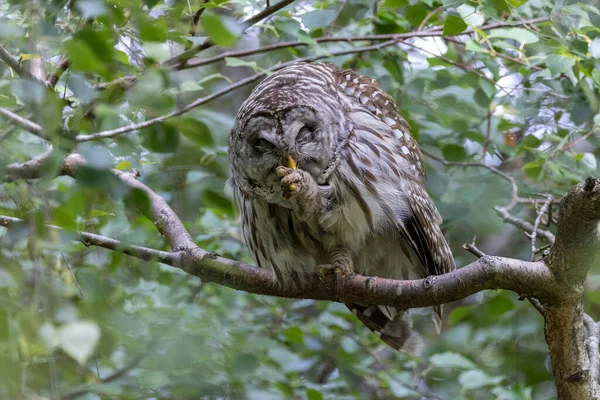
[[292, 163]]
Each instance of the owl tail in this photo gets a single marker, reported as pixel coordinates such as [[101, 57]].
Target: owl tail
[[438, 311], [391, 325]]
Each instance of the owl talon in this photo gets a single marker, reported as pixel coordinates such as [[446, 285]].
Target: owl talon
[[333, 271], [283, 171], [292, 181]]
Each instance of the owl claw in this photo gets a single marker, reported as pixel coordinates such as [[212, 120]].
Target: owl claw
[[292, 181], [333, 271]]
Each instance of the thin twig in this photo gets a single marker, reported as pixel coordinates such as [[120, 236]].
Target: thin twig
[[510, 179], [433, 32], [428, 17], [536, 224], [538, 306], [91, 239], [79, 391], [181, 59], [60, 68], [526, 226], [196, 18], [488, 132], [464, 67], [222, 92], [23, 123], [472, 248], [72, 275]]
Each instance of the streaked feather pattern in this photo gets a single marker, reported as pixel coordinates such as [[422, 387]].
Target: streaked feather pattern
[[369, 182]]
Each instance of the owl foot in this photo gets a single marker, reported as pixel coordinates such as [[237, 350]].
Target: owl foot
[[333, 271], [293, 181]]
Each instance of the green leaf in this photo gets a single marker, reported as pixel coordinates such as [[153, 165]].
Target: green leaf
[[123, 166], [533, 169], [218, 203], [501, 5], [588, 159], [100, 213], [531, 142], [454, 26], [159, 52], [194, 130], [470, 15], [139, 199], [499, 305], [416, 13], [458, 314], [519, 34], [294, 334], [79, 339], [451, 360], [312, 394], [318, 18], [223, 31], [454, 152], [475, 379], [82, 58], [395, 3], [153, 31], [559, 64], [160, 137]]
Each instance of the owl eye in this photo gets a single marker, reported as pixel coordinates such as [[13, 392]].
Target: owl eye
[[263, 145], [307, 133]]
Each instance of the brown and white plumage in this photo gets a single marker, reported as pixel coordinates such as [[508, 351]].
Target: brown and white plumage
[[357, 197]]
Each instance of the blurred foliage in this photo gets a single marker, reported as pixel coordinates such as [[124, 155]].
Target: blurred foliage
[[83, 322]]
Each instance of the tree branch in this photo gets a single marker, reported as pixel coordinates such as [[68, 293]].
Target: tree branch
[[186, 55], [13, 62], [91, 239], [23, 123], [526, 226], [489, 272], [432, 32], [60, 68], [557, 282]]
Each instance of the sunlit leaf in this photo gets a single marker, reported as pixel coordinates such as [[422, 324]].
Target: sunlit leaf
[[451, 360], [222, 31], [79, 339]]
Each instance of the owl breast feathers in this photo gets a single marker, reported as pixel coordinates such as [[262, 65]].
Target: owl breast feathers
[[327, 175]]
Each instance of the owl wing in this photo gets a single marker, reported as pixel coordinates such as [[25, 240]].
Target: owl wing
[[419, 226]]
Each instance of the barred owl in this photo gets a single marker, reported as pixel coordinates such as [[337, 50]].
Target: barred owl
[[327, 176]]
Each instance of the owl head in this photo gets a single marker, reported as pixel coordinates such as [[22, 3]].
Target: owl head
[[290, 114]]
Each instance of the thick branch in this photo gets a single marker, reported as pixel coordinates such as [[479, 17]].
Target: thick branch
[[12, 62], [525, 278], [571, 256]]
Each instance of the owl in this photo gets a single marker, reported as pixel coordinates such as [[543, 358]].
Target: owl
[[329, 180]]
